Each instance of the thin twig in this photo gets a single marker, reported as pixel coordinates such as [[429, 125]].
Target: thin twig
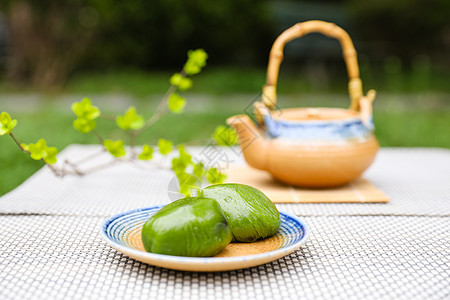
[[161, 108], [103, 166], [132, 138], [133, 134], [51, 167], [99, 138], [89, 157], [54, 169], [73, 166], [63, 170], [18, 143], [107, 117]]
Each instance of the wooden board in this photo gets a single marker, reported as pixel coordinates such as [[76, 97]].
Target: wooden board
[[358, 191]]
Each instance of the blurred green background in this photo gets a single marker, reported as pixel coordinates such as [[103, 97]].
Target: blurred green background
[[122, 53]]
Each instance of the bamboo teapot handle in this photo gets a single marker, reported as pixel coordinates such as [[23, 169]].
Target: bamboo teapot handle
[[299, 30]]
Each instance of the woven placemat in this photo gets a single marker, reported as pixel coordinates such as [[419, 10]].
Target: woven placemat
[[361, 190], [64, 257]]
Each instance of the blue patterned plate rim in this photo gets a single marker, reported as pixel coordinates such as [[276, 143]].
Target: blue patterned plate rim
[[196, 260]]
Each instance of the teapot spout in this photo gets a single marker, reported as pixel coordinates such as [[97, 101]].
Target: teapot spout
[[252, 143]]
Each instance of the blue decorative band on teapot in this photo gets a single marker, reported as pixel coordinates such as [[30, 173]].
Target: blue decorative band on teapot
[[308, 131]]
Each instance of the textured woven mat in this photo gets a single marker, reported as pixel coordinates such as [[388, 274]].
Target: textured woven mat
[[48, 257], [361, 190]]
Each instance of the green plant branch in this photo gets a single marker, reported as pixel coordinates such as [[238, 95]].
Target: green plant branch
[[73, 166], [18, 143], [102, 166], [54, 170], [107, 117], [133, 135], [133, 124], [97, 135], [89, 157], [161, 108]]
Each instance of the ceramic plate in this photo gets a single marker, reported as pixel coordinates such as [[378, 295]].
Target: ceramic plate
[[123, 232]]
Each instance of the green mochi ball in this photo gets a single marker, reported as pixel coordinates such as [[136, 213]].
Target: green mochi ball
[[250, 214], [187, 227]]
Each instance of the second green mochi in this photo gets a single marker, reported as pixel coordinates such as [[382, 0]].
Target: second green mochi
[[187, 227], [250, 214]]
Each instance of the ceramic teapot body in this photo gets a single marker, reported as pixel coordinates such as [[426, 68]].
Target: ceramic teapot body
[[310, 147]]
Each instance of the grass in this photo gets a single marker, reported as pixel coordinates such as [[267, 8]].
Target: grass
[[226, 80], [395, 129], [291, 80], [413, 129]]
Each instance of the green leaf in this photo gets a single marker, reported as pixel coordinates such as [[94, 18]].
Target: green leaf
[[6, 124], [147, 153], [175, 79], [185, 189], [39, 151], [130, 120], [225, 136], [86, 114], [84, 125], [165, 146], [180, 81], [214, 176], [50, 157], [196, 61], [176, 103], [199, 170], [178, 165], [186, 157], [116, 148], [188, 183], [85, 110]]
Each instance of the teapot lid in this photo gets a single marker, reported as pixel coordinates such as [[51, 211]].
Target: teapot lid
[[314, 114]]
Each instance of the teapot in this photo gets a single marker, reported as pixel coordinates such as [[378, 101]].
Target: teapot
[[310, 147]]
